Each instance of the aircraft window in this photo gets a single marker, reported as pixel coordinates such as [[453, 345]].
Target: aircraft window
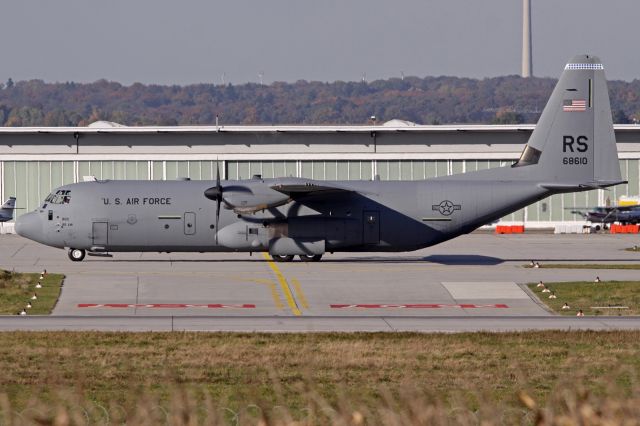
[[529, 156], [60, 197]]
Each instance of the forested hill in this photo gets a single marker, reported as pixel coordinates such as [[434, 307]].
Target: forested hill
[[430, 100]]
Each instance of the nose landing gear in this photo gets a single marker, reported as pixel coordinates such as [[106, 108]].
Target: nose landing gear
[[76, 255]]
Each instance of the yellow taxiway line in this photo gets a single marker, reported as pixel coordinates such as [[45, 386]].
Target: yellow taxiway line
[[298, 289], [283, 285], [274, 291]]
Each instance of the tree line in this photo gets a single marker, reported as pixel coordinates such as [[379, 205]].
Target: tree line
[[428, 100]]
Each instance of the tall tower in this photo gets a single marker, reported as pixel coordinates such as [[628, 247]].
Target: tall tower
[[527, 66]]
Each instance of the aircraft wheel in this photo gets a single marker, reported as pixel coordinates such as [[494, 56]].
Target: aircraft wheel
[[282, 258], [310, 258], [76, 255]]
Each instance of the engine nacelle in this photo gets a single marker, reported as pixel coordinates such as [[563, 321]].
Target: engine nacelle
[[259, 198], [243, 236]]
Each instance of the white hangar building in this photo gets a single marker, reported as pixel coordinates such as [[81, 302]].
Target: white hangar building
[[35, 160]]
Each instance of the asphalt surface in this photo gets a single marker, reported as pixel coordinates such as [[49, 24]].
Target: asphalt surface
[[471, 283]]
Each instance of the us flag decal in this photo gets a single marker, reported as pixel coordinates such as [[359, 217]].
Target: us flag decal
[[572, 105]]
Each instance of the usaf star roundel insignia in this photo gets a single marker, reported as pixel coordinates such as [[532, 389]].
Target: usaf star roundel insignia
[[446, 207]]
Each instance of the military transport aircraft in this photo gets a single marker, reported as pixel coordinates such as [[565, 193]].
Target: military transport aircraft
[[622, 214], [572, 149], [6, 211]]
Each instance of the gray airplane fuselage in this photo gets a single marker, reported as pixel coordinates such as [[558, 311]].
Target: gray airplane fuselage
[[375, 216]]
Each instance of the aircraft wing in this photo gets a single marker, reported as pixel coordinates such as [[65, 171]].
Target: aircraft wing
[[627, 208], [305, 188], [295, 191]]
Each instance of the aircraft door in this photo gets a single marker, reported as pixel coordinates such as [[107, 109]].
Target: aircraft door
[[100, 233], [189, 223], [371, 227]]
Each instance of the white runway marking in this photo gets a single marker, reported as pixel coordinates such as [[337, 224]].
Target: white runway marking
[[485, 290]]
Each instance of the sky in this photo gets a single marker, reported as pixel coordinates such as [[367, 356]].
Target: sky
[[208, 41]]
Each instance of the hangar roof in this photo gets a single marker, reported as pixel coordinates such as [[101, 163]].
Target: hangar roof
[[108, 127], [280, 142]]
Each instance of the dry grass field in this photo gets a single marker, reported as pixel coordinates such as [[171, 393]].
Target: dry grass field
[[380, 378], [603, 298], [632, 266], [16, 289]]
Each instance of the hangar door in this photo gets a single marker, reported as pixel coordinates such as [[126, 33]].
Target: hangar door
[[100, 233]]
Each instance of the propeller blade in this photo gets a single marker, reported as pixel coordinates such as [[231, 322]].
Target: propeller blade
[[217, 217], [218, 198], [218, 184]]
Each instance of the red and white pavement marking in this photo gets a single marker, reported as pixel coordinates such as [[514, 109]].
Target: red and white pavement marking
[[252, 306], [418, 306], [165, 305]]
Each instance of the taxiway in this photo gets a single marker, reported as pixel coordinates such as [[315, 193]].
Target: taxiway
[[471, 283]]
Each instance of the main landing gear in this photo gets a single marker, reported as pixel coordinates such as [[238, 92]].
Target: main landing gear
[[282, 258], [310, 258], [76, 255], [303, 257]]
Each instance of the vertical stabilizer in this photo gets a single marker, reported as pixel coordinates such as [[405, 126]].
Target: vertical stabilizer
[[10, 204], [574, 142], [6, 211]]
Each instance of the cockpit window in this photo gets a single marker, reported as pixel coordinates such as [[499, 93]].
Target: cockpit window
[[529, 156], [59, 197]]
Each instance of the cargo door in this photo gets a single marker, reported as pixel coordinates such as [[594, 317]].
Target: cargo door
[[189, 223], [100, 233], [371, 223]]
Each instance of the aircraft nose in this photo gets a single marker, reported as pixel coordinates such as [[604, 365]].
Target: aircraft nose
[[29, 226]]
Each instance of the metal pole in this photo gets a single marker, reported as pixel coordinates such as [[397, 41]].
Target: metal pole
[[527, 66]]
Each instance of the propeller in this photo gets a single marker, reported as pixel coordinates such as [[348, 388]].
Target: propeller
[[215, 193]]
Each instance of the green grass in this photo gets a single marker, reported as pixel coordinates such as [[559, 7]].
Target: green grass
[[588, 266], [380, 378], [18, 288], [586, 295]]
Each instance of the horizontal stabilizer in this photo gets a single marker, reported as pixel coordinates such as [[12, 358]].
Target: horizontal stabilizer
[[601, 184]]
